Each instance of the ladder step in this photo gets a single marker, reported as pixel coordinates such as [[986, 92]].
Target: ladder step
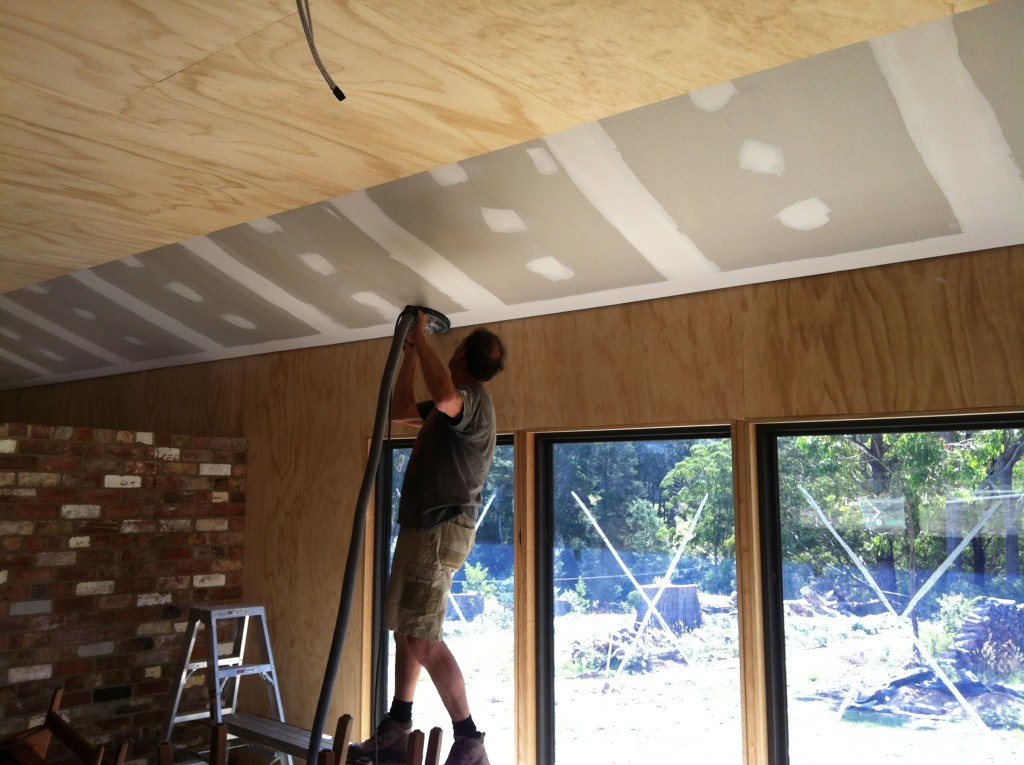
[[272, 734], [243, 670], [228, 612]]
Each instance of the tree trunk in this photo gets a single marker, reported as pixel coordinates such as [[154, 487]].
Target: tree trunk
[[980, 562], [954, 532], [678, 605]]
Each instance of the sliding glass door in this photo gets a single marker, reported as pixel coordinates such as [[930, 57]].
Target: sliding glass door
[[637, 623], [896, 604], [479, 626]]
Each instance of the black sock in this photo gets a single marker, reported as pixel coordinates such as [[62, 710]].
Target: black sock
[[465, 728], [401, 711]]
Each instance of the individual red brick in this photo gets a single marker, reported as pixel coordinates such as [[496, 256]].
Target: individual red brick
[[73, 667], [62, 494], [60, 463], [41, 447], [19, 462], [98, 526], [78, 697], [114, 602], [100, 496], [153, 717]]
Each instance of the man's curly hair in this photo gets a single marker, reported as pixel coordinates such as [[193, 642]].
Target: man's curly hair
[[481, 361]]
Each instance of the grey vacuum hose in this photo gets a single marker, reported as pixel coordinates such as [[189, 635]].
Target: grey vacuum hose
[[436, 323]]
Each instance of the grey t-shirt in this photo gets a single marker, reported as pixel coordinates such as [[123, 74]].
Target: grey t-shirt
[[450, 461]]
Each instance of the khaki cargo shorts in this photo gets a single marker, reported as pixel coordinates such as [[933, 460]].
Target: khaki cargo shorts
[[421, 576]]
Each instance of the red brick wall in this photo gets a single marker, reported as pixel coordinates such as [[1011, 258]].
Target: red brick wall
[[106, 538]]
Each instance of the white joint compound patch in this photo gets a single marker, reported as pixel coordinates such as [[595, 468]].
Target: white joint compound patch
[[805, 216], [503, 221], [318, 263], [265, 226], [543, 162], [449, 175], [551, 268], [763, 158], [713, 98]]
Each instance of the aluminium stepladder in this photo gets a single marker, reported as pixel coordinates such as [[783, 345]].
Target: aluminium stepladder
[[224, 673]]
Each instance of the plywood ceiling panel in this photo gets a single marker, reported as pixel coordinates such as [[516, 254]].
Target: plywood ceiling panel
[[180, 185]]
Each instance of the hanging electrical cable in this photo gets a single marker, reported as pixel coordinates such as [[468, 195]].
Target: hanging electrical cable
[[307, 27]]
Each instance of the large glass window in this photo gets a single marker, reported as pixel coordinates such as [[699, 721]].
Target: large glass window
[[896, 604], [479, 627], [637, 631]]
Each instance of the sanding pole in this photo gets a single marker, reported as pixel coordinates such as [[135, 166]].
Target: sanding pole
[[387, 383]]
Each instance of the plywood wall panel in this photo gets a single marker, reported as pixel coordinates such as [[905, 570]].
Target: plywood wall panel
[[636, 364], [310, 413], [990, 306], [887, 339], [200, 399]]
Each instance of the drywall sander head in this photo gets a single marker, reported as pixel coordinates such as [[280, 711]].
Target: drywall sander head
[[437, 322]]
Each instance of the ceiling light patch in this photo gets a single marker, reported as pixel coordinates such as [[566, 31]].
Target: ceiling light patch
[[413, 253], [713, 98], [48, 354], [24, 363], [449, 175], [205, 248], [238, 321], [182, 290], [591, 159], [543, 162], [805, 216], [85, 277], [318, 263], [372, 300], [550, 268], [265, 226], [503, 221], [762, 158], [139, 308]]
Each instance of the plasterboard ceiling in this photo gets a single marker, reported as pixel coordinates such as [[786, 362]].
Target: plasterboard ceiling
[[906, 146]]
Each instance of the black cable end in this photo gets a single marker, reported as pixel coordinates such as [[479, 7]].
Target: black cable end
[[337, 93]]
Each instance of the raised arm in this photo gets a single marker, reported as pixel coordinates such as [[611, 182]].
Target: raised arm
[[403, 397], [436, 375]]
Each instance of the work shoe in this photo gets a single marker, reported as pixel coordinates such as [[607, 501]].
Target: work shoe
[[387, 745], [468, 751]]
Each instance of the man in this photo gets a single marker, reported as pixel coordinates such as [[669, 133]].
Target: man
[[437, 518]]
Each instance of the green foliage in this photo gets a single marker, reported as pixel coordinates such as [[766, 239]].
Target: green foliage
[[642, 527], [938, 635], [499, 524], [477, 579], [704, 478], [577, 597], [917, 474], [953, 610]]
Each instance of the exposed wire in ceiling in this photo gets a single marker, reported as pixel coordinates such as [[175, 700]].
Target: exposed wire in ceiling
[[307, 27]]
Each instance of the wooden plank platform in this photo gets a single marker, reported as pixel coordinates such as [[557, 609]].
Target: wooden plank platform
[[273, 734]]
